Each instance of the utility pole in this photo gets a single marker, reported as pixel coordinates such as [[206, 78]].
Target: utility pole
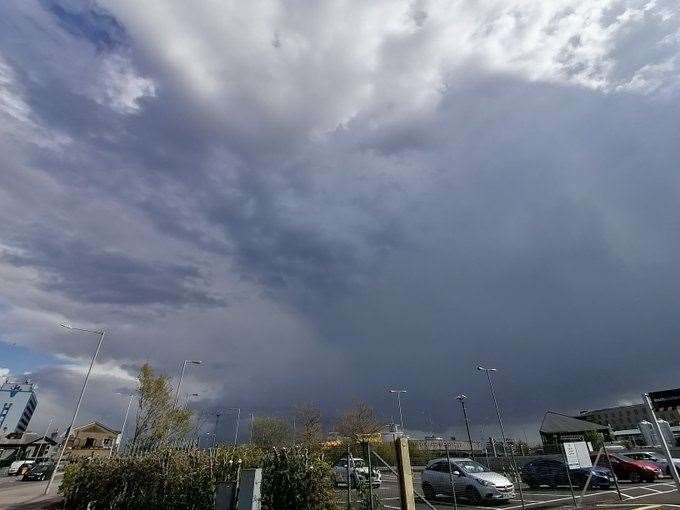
[[461, 398]]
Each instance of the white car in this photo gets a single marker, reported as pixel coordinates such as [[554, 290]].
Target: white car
[[19, 467], [358, 472], [654, 458], [471, 481]]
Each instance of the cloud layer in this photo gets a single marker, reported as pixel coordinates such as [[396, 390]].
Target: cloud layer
[[324, 199]]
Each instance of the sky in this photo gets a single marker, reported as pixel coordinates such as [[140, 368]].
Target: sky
[[325, 199]]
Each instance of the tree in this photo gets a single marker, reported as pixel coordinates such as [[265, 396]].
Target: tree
[[357, 421], [269, 431], [309, 430], [159, 422]]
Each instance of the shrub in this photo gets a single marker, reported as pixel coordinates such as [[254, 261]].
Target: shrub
[[185, 479]]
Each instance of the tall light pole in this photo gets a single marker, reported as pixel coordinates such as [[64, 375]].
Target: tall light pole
[[122, 428], [49, 425], [217, 422], [101, 334], [461, 398], [181, 375], [238, 419], [401, 415], [500, 424]]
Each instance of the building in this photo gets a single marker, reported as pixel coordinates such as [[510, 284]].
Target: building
[[91, 440], [17, 405], [628, 417], [559, 428], [27, 445]]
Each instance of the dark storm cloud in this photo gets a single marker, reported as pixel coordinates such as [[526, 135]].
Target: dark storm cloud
[[389, 225], [86, 273]]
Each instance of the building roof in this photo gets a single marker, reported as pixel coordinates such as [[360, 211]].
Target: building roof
[[613, 408], [26, 438], [556, 423], [96, 424]]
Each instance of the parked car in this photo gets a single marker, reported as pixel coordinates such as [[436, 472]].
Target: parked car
[[358, 472], [553, 473], [19, 467], [628, 469], [39, 471], [471, 481], [655, 458]]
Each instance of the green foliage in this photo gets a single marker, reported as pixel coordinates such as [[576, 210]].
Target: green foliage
[[185, 479], [357, 422], [309, 430], [364, 494], [159, 422], [295, 480]]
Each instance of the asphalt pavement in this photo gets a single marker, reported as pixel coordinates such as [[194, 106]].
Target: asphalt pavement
[[650, 496], [16, 494]]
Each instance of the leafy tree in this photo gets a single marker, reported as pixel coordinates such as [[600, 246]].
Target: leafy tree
[[309, 431], [357, 421], [270, 431], [159, 422]]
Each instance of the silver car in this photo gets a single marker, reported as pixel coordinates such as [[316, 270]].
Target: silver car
[[358, 472], [471, 480]]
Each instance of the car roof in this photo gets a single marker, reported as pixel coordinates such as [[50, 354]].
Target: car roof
[[453, 459]]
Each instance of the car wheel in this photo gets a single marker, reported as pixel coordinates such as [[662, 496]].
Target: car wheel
[[428, 492], [473, 496], [635, 477]]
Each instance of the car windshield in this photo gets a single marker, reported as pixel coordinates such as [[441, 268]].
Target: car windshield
[[358, 463], [471, 466]]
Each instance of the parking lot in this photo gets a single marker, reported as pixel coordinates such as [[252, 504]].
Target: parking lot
[[648, 495]]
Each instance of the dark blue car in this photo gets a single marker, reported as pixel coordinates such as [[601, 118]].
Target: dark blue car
[[553, 473]]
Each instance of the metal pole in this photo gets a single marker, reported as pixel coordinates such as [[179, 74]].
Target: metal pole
[[566, 466], [179, 384], [217, 422], [401, 415], [453, 484], [611, 469], [467, 426], [667, 452], [370, 477], [75, 413], [48, 426], [500, 423], [122, 429], [238, 419], [349, 482], [252, 425]]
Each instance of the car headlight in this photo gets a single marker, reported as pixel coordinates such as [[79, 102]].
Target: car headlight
[[486, 483]]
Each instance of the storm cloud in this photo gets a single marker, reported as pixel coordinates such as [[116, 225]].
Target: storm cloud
[[324, 199]]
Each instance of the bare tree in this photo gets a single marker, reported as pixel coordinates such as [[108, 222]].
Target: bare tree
[[357, 421], [309, 429], [270, 431]]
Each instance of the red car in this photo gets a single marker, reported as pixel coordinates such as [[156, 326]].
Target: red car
[[628, 469]]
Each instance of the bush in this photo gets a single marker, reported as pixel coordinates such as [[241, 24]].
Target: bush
[[292, 479], [185, 479]]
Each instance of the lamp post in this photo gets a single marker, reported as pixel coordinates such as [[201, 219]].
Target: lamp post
[[461, 398], [500, 424], [101, 334], [217, 422], [181, 375], [122, 428], [238, 419], [49, 425], [401, 415]]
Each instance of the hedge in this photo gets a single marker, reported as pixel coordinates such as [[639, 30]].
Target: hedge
[[185, 479]]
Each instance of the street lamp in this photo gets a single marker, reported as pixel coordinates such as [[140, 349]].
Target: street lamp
[[101, 334], [401, 416], [462, 398], [181, 375], [122, 428], [500, 424], [217, 422], [238, 419]]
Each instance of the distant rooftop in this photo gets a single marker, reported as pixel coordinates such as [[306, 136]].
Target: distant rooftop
[[560, 423]]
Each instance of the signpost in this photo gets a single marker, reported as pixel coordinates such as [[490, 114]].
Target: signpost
[[660, 400]]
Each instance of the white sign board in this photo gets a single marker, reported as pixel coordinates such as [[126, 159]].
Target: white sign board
[[578, 455]]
